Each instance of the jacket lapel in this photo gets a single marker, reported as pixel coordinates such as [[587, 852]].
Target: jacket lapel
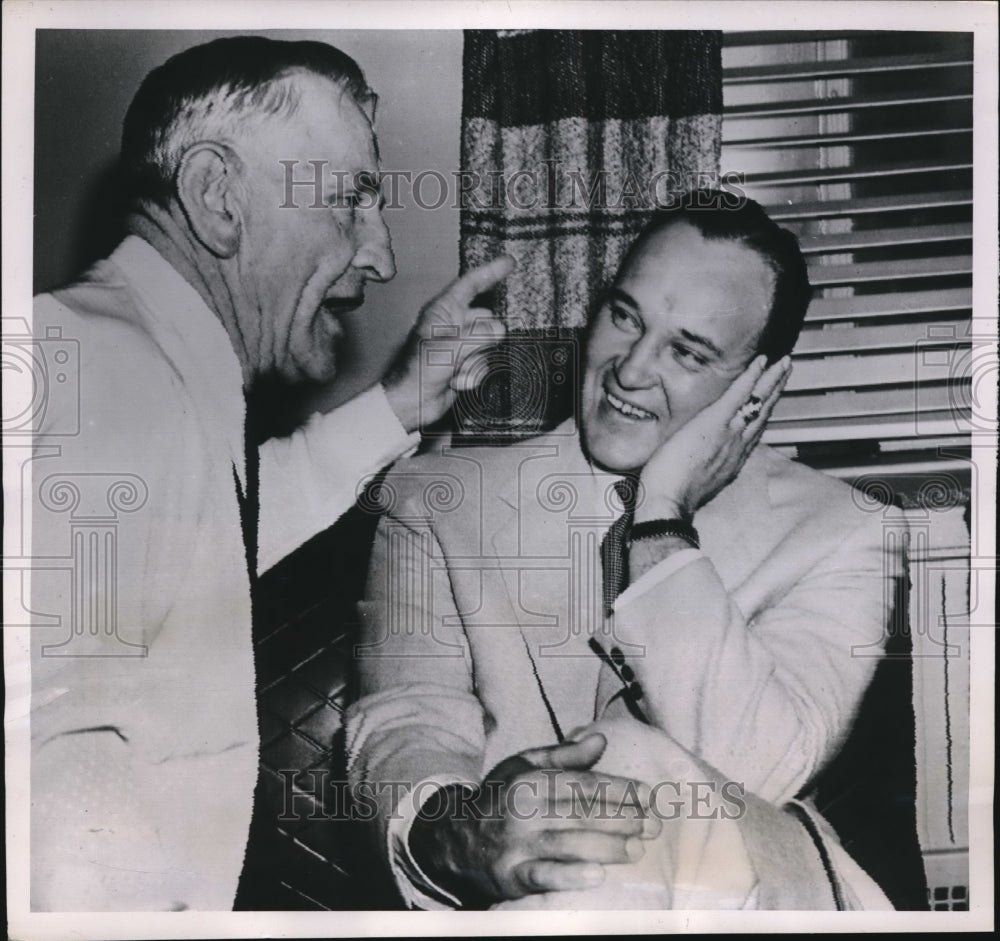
[[547, 547]]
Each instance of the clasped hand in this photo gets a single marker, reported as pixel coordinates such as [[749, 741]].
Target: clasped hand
[[541, 822]]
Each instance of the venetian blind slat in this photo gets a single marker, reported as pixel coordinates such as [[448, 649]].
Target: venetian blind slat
[[863, 147]]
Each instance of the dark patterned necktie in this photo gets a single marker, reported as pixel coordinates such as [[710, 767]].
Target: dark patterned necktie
[[614, 562], [614, 554], [249, 502]]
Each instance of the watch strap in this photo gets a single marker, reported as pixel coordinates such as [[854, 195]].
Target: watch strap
[[656, 529]]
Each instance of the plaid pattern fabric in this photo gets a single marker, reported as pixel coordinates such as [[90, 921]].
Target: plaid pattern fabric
[[569, 139]]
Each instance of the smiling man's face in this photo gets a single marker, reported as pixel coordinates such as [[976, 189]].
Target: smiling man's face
[[680, 324], [304, 263]]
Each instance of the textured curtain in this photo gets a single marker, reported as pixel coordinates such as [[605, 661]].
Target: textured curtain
[[569, 139]]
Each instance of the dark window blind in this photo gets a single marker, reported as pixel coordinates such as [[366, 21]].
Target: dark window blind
[[861, 143]]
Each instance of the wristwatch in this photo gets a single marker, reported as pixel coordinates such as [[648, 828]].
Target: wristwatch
[[656, 529]]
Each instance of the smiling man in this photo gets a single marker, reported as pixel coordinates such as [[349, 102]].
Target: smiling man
[[677, 328], [144, 728], [653, 576]]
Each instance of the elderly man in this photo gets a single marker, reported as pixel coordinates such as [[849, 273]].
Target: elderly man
[[144, 731], [497, 631]]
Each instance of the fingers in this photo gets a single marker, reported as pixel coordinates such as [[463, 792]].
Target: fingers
[[742, 387], [482, 326], [586, 846], [572, 859], [463, 290], [772, 377], [753, 412], [575, 800], [471, 365], [582, 754], [618, 821], [456, 335], [769, 393], [543, 875]]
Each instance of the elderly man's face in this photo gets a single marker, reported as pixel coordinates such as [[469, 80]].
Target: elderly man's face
[[304, 265], [680, 324]]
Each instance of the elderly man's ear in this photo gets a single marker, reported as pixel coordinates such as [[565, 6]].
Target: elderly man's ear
[[208, 189]]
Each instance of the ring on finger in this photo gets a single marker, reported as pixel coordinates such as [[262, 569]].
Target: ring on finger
[[750, 409]]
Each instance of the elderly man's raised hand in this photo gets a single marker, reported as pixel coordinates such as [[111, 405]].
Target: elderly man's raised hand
[[444, 348], [707, 453], [541, 822]]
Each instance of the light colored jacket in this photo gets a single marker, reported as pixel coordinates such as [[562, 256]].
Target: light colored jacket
[[485, 589], [143, 720]]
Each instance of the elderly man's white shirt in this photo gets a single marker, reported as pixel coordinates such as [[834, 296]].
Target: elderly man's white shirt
[[144, 740]]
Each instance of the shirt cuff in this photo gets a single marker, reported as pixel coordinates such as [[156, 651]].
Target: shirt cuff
[[652, 577], [363, 433], [416, 887]]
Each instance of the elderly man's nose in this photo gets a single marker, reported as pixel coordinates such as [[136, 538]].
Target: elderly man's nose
[[374, 255]]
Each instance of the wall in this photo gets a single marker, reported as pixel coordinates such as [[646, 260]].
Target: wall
[[85, 80]]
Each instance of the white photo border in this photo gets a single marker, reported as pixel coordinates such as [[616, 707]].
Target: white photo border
[[20, 21]]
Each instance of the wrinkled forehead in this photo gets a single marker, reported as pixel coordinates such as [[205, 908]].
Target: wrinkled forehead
[[326, 124], [318, 93]]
